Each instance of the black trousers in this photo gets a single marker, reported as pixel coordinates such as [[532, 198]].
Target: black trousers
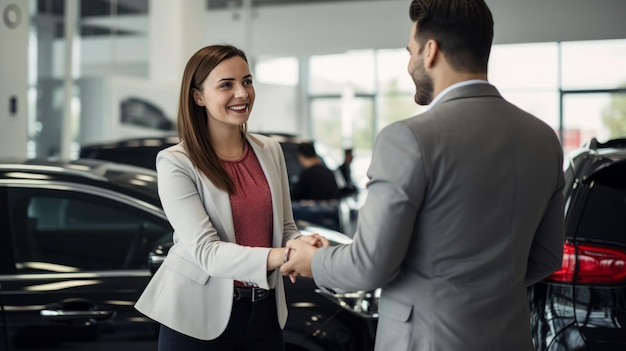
[[252, 326]]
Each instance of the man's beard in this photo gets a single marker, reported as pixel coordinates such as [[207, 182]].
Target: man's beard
[[423, 84]]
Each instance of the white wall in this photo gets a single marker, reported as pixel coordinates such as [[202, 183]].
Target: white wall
[[13, 78], [527, 21]]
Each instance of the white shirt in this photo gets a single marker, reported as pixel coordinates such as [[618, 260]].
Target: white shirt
[[452, 87]]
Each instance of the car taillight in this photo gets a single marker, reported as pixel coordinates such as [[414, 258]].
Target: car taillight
[[596, 264]]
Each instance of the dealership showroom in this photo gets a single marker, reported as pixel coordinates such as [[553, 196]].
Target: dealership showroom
[[89, 93]]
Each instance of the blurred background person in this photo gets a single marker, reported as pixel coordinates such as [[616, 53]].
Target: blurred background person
[[347, 188], [316, 181]]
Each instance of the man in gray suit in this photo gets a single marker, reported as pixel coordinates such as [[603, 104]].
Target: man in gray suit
[[464, 205]]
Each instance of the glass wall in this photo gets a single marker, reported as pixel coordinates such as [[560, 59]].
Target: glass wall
[[593, 90], [75, 48], [528, 76], [578, 88], [353, 96]]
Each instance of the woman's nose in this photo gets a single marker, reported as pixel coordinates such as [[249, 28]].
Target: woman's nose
[[241, 91]]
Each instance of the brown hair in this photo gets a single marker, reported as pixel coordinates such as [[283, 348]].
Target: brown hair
[[463, 30], [192, 122]]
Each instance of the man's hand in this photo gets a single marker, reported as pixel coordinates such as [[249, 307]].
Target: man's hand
[[315, 239], [300, 255]]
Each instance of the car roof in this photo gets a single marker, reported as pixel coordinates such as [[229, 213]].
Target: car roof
[[93, 168], [139, 181], [168, 139], [594, 156], [117, 150]]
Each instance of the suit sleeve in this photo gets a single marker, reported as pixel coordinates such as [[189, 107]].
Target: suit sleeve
[[396, 187], [546, 251]]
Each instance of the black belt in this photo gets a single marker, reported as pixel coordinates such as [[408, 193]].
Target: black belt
[[251, 294]]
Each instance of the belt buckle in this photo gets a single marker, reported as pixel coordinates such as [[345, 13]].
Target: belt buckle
[[259, 294]]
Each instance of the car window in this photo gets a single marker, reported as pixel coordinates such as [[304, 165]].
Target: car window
[[604, 215], [67, 231]]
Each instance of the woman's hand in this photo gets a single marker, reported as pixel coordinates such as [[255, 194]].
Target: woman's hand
[[276, 258]]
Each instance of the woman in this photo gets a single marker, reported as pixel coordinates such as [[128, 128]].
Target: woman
[[226, 194]]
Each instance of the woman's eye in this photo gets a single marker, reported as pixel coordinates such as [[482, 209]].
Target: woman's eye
[[247, 82], [226, 85]]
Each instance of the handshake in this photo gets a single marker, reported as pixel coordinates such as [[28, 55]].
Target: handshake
[[297, 258]]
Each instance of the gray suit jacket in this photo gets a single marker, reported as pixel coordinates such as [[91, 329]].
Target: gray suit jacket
[[464, 211], [192, 292]]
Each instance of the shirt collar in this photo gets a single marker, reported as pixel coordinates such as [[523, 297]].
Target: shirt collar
[[454, 86]]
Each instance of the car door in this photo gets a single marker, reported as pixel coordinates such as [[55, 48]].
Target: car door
[[3, 335], [80, 261]]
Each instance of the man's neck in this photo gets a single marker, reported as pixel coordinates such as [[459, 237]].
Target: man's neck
[[451, 78]]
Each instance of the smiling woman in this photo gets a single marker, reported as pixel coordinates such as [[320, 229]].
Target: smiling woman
[[226, 194], [227, 94]]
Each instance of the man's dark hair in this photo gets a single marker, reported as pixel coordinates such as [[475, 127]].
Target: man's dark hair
[[307, 150], [463, 30]]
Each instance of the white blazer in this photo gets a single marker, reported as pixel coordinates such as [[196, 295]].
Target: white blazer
[[192, 292]]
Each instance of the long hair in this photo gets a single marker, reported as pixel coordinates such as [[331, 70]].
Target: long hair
[[463, 30], [192, 122]]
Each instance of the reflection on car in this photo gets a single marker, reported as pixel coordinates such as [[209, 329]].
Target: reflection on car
[[582, 306], [78, 242]]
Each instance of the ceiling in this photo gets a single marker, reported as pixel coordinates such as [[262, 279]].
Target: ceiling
[[100, 8], [347, 24], [89, 8]]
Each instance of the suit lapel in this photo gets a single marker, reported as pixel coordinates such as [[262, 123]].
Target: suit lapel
[[219, 210]]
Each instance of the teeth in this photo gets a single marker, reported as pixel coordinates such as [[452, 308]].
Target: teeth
[[238, 107]]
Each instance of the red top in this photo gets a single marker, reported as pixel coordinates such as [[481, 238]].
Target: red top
[[251, 204]]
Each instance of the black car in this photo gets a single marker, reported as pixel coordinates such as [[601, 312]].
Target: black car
[[76, 238], [142, 113], [339, 215], [582, 306]]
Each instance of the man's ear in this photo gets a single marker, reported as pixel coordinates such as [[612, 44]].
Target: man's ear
[[197, 97], [431, 49]]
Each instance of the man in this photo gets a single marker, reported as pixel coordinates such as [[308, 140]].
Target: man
[[316, 181], [464, 207], [348, 188]]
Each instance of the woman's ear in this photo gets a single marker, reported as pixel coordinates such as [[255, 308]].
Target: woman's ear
[[197, 97]]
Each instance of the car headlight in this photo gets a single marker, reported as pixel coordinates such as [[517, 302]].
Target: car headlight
[[363, 303]]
